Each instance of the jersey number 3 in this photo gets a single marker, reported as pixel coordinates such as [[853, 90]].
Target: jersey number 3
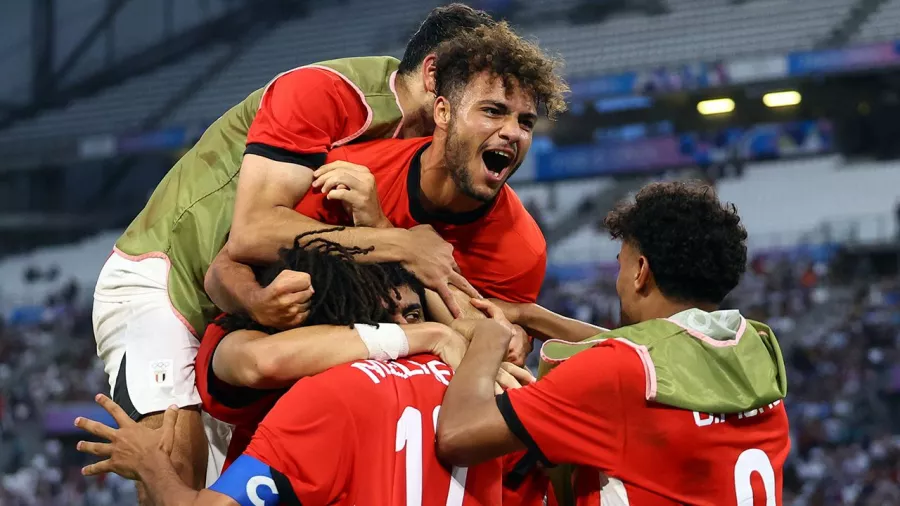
[[752, 461], [409, 437]]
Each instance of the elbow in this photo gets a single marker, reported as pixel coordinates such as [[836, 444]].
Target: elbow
[[452, 446], [263, 370], [241, 244]]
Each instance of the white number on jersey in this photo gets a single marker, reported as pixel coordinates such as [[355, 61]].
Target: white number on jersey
[[409, 437], [752, 461]]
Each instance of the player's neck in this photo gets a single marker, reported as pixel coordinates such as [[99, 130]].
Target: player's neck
[[417, 121], [437, 189]]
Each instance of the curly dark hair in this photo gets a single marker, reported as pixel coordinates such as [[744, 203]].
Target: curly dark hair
[[346, 292], [498, 50], [442, 23], [695, 245]]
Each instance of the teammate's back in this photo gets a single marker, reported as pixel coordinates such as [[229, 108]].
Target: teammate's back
[[363, 433]]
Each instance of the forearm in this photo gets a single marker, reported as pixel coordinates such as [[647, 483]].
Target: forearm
[[543, 324], [230, 284], [468, 427], [162, 483], [279, 360], [278, 226], [438, 312]]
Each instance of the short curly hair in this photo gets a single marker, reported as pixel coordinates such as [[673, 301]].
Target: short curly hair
[[695, 245], [498, 50]]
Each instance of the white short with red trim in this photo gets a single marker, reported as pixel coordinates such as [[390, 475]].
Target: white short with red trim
[[146, 349]]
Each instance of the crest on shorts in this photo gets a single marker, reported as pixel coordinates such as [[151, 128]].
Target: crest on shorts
[[162, 371]]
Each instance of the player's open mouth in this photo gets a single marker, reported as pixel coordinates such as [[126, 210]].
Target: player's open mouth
[[497, 161]]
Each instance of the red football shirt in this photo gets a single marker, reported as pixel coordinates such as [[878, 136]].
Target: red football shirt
[[303, 114], [499, 249], [592, 411], [242, 407], [363, 433]]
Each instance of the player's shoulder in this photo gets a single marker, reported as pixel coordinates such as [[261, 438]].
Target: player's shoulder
[[381, 156], [510, 214], [607, 360]]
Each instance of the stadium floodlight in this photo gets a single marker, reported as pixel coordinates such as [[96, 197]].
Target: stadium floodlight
[[781, 98], [715, 106]]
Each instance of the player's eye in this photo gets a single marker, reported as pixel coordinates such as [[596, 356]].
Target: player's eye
[[493, 111], [527, 124], [413, 316]]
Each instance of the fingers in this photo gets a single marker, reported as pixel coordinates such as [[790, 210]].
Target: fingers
[[522, 375], [449, 300], [340, 164], [102, 467], [332, 180], [507, 380], [497, 389], [487, 307], [122, 419], [289, 281], [167, 436], [98, 449], [456, 279], [96, 428]]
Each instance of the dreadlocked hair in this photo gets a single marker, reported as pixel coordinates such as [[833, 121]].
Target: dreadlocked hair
[[346, 292]]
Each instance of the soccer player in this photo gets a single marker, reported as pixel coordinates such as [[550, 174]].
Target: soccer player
[[244, 367], [357, 432], [149, 302], [490, 84], [682, 406]]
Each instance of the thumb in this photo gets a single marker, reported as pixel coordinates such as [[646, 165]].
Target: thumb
[[167, 431]]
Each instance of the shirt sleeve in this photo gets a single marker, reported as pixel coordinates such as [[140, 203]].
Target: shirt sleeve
[[302, 114], [575, 414], [310, 438]]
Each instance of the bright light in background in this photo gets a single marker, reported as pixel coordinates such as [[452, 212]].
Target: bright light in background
[[715, 106], [781, 98]]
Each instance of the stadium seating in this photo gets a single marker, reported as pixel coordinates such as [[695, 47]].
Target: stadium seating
[[883, 25]]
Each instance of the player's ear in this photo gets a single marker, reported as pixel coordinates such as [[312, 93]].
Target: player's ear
[[442, 113], [428, 73], [642, 275]]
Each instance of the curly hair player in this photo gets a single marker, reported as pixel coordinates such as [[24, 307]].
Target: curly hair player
[[682, 406], [490, 84], [363, 431], [149, 302]]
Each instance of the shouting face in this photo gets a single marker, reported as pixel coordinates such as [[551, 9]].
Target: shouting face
[[489, 130]]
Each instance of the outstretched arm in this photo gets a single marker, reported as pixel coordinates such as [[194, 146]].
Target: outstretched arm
[[254, 359], [544, 324]]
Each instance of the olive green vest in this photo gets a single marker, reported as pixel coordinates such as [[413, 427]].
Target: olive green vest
[[691, 373], [189, 214]]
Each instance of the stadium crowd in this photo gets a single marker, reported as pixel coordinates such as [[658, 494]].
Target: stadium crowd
[[843, 401]]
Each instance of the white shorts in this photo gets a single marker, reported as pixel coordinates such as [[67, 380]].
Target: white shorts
[[147, 351]]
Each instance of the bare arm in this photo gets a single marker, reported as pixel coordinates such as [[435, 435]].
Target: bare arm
[[258, 360], [545, 324], [265, 220], [229, 284], [470, 427], [165, 489]]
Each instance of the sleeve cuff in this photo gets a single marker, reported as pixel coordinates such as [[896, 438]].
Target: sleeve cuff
[[516, 427], [311, 160]]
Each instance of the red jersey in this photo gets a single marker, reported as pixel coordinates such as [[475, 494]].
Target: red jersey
[[303, 114], [591, 411], [242, 407], [363, 433], [499, 248]]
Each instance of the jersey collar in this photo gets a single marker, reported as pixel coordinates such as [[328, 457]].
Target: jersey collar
[[418, 211]]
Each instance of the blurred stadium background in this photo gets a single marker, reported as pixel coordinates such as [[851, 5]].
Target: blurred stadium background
[[788, 107]]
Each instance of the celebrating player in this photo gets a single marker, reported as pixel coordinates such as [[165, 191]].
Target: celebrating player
[[149, 301], [490, 84], [361, 431], [684, 406], [243, 367]]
